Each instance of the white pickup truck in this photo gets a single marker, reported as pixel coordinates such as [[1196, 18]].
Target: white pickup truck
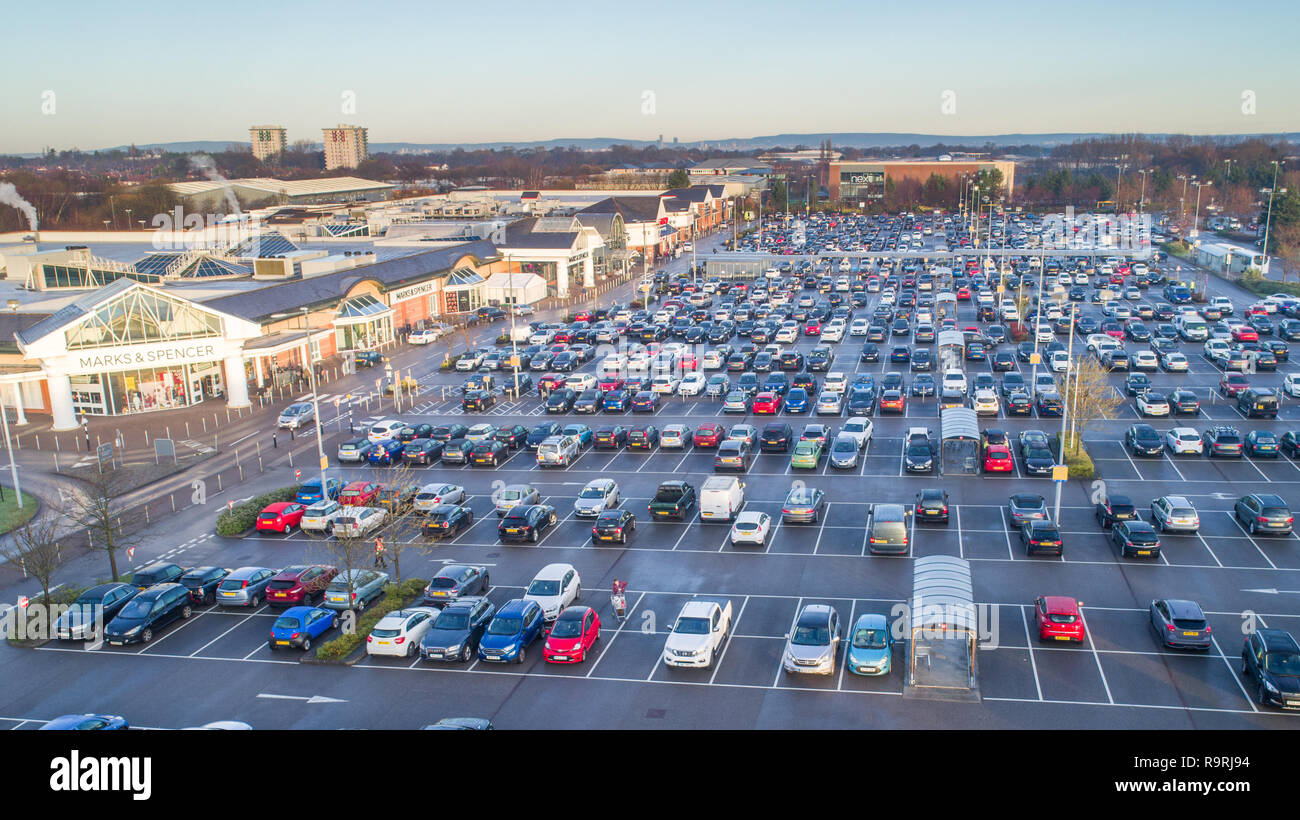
[[698, 634]]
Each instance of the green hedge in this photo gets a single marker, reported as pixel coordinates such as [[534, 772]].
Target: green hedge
[[244, 516], [1267, 287], [450, 361], [503, 339], [1177, 248], [395, 597], [1076, 457]]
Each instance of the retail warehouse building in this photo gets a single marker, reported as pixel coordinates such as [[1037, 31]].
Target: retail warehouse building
[[866, 182]]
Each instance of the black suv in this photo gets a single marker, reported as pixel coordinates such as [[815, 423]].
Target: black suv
[[147, 612], [1271, 658], [156, 574], [1115, 508], [1258, 402], [526, 523], [454, 636], [776, 438], [202, 583]]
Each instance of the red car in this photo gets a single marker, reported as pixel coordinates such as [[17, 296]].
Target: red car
[[1233, 383], [359, 494], [997, 459], [582, 316], [300, 585], [708, 435], [608, 383], [572, 635], [767, 403], [963, 294], [1058, 619], [893, 400], [551, 381], [282, 516], [812, 327], [689, 362], [1245, 333]]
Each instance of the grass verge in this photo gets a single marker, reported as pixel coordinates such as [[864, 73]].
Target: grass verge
[[395, 597], [242, 517], [11, 517], [1076, 456]]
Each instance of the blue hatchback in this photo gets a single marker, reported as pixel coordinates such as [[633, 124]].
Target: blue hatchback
[[796, 401], [309, 493], [870, 646], [297, 625], [86, 722], [516, 625], [386, 452]]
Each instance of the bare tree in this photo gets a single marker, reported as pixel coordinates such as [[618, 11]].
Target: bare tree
[[98, 506], [35, 549], [1091, 399], [398, 497]]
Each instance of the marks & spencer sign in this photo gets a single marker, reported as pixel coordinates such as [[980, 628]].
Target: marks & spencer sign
[[146, 357]]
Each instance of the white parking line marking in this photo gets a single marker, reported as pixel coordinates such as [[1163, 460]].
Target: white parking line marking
[[1029, 642]]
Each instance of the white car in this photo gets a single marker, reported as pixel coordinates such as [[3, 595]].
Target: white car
[[1045, 334], [859, 326], [1182, 440], [613, 363], [663, 385], [1060, 361], [398, 634], [355, 522], [555, 587], [860, 428], [713, 360], [955, 381], [424, 337], [829, 403], [580, 381], [1215, 349], [692, 384], [1174, 363], [480, 432], [1291, 385], [986, 403], [1144, 360], [1096, 340], [751, 527], [470, 361], [835, 382], [321, 516], [386, 430], [674, 437], [833, 332], [787, 335], [1152, 404]]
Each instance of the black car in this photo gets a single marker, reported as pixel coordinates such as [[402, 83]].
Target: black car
[[588, 401], [447, 432], [541, 433], [1019, 404], [92, 609], [1271, 657], [523, 386], [1115, 508], [1135, 537], [456, 582], [1143, 440], [870, 352], [1038, 461], [160, 573], [613, 525], [790, 361], [202, 583], [513, 437], [610, 438], [422, 451], [561, 401], [489, 453], [1258, 402], [456, 633], [476, 401], [1041, 536], [146, 613], [1184, 402], [526, 522], [457, 451], [919, 456], [645, 437], [932, 505], [1264, 512], [819, 360], [447, 521], [1003, 361], [414, 432], [776, 438], [1289, 443]]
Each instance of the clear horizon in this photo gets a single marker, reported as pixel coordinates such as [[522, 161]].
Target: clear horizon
[[721, 72]]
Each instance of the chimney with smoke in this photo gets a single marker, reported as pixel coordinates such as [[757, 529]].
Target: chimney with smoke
[[9, 196]]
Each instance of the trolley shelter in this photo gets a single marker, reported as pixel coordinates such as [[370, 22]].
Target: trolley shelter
[[959, 445], [952, 349], [943, 634]]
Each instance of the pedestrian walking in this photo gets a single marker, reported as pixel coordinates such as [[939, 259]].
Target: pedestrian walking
[[381, 560]]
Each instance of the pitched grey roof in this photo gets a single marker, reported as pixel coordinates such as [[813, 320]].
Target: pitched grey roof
[[695, 193], [12, 324], [603, 223], [320, 290], [632, 208], [536, 234]]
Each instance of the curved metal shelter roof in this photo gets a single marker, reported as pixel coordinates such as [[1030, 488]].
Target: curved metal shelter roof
[[958, 422], [951, 337], [941, 594]]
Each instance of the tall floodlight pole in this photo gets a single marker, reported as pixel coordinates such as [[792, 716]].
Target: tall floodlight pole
[[1065, 410]]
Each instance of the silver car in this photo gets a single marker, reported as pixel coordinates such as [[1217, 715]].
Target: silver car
[[358, 521], [599, 495], [245, 586], [431, 495], [844, 452], [1174, 513], [512, 495], [297, 415], [814, 644]]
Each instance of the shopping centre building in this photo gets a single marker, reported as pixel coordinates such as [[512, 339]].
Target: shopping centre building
[[138, 344]]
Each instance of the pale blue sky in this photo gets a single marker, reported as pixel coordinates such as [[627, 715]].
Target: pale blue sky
[[504, 70]]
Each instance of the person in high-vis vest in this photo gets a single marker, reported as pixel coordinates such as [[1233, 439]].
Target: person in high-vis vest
[[381, 560]]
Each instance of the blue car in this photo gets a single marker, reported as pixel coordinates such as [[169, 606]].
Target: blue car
[[777, 383], [309, 493], [298, 625], [796, 401], [516, 625], [871, 646], [581, 431], [645, 402], [386, 452], [86, 722], [615, 400]]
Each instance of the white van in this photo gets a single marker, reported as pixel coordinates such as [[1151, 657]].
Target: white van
[[721, 497], [557, 451], [1191, 328]]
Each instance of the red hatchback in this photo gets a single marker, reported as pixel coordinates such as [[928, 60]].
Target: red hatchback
[[963, 294], [767, 403], [359, 494], [997, 459], [608, 383], [1245, 333], [572, 635], [1058, 619], [299, 585], [282, 516], [708, 435], [813, 327]]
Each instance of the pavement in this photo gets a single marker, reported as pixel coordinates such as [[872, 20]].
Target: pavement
[[1120, 677]]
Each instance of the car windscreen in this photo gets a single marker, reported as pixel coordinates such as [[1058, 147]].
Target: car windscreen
[[505, 626], [869, 639], [810, 636], [452, 620], [692, 626], [593, 492], [540, 587], [136, 608], [1283, 663]]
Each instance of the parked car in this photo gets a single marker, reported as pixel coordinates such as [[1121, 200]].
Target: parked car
[[297, 626], [146, 613], [354, 589]]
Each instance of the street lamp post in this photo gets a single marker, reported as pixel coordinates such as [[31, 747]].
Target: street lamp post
[[315, 397], [1196, 220], [13, 467], [1065, 407]]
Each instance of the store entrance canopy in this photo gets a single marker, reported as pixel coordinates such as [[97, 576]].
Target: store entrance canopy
[[522, 288]]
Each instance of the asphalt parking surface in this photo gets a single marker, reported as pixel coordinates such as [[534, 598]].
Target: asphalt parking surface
[[1120, 677]]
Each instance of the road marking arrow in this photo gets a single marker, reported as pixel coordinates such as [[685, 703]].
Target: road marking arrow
[[312, 699]]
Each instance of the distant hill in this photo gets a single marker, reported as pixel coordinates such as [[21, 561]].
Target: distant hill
[[838, 140]]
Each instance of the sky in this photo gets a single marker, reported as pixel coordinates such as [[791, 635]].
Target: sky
[[93, 75]]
